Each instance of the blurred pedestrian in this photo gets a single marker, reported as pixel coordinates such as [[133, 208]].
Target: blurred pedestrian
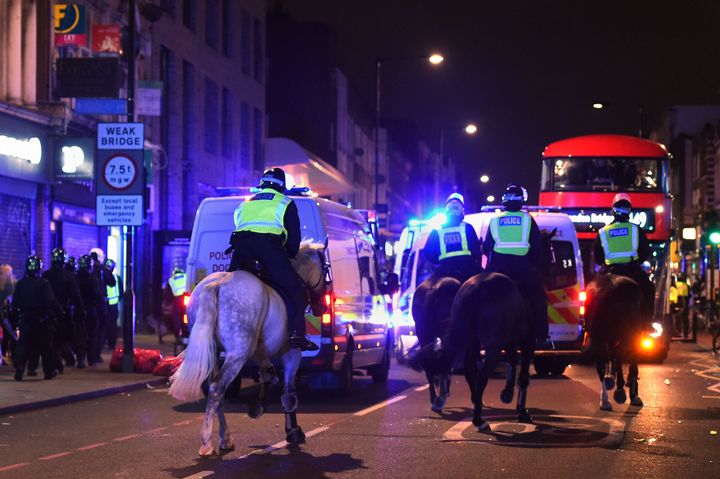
[[34, 311], [7, 285], [67, 293], [172, 304], [92, 297], [114, 297]]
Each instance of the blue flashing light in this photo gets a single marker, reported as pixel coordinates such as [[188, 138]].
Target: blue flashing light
[[437, 220], [414, 222]]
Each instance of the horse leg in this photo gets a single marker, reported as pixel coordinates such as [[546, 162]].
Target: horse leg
[[523, 382], [291, 363], [433, 391], [482, 376], [218, 385], [619, 394], [633, 384], [260, 403], [602, 365], [506, 395], [443, 391]]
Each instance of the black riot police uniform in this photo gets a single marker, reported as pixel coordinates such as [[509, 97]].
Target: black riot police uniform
[[89, 285], [34, 309], [105, 278], [67, 293]]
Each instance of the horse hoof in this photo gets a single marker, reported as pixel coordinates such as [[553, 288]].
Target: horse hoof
[[484, 426], [605, 406], [227, 446], [206, 451], [609, 382], [256, 411], [620, 396], [295, 436], [438, 404], [524, 416], [506, 395], [636, 401]]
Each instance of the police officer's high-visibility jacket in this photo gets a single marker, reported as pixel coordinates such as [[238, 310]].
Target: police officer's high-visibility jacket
[[620, 242], [177, 284], [682, 288], [453, 242], [263, 213], [113, 292], [673, 294], [511, 232]]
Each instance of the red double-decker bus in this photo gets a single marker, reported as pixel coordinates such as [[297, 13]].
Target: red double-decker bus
[[582, 175]]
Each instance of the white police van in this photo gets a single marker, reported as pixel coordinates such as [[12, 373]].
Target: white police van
[[354, 332], [564, 286]]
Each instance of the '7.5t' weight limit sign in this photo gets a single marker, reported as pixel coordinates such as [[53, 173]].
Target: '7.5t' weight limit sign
[[120, 172]]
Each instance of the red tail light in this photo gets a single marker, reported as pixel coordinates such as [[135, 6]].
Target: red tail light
[[582, 297], [186, 300], [329, 314]]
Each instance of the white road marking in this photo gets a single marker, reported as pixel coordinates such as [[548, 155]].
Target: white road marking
[[379, 405], [54, 456], [13, 466], [92, 446], [422, 388], [200, 475], [283, 444], [708, 367], [614, 436], [125, 438], [711, 397]]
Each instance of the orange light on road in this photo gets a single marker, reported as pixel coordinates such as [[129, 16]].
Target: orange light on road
[[647, 343]]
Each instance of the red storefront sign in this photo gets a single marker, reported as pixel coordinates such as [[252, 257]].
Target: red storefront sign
[[106, 38]]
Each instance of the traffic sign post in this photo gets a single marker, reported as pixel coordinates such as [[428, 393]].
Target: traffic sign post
[[119, 181]]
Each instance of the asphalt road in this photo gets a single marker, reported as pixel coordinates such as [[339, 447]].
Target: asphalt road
[[389, 431]]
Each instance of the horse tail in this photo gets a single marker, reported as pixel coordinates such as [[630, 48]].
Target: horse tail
[[198, 360]]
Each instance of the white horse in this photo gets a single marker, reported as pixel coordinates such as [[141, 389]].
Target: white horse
[[247, 318]]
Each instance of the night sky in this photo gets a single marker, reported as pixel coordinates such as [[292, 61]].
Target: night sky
[[526, 72]]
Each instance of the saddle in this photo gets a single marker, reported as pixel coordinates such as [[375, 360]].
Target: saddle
[[256, 268]]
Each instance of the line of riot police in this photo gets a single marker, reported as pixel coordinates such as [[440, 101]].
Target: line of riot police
[[65, 315]]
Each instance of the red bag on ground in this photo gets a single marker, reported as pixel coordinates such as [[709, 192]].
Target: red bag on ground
[[144, 360], [167, 366]]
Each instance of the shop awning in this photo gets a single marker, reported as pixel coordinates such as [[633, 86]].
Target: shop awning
[[306, 168]]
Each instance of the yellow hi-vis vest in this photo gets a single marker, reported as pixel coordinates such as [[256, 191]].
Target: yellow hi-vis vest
[[453, 242], [511, 232], [113, 292], [263, 213], [620, 242], [673, 294], [682, 288], [177, 284]]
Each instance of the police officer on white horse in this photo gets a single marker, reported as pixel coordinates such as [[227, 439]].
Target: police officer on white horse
[[267, 230]]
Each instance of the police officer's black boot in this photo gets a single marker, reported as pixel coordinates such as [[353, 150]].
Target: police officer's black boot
[[300, 340], [81, 361], [18, 375]]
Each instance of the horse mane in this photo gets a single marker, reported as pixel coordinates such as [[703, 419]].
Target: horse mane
[[306, 253]]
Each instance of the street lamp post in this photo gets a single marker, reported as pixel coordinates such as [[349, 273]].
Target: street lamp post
[[434, 59]]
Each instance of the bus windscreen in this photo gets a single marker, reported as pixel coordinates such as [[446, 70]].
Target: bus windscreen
[[602, 174]]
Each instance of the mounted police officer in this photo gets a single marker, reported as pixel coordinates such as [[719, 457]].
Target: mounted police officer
[[454, 247], [92, 296], [114, 296], [267, 230], [67, 293], [35, 308], [621, 247], [515, 248]]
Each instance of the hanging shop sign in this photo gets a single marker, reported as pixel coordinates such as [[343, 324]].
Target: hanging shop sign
[[74, 158], [88, 77], [28, 149], [106, 39], [70, 24], [148, 101]]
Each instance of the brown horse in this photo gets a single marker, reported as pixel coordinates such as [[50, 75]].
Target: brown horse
[[615, 316]]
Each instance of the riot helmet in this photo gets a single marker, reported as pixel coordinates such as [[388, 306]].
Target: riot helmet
[[84, 263], [110, 264], [70, 263], [455, 208], [621, 207], [177, 270], [514, 198], [33, 265], [273, 178], [57, 257]]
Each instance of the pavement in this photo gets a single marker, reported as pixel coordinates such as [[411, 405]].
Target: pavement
[[82, 384], [76, 384]]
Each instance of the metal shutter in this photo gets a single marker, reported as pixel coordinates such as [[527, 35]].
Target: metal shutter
[[15, 226]]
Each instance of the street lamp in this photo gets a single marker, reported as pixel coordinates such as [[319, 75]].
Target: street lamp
[[433, 59], [490, 199], [484, 179], [471, 129]]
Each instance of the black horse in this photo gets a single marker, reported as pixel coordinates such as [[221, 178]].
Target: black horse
[[431, 310], [615, 317]]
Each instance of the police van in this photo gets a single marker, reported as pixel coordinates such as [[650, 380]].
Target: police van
[[564, 286], [353, 333]]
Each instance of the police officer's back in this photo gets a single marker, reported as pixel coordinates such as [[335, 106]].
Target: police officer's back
[[34, 308], [267, 229], [514, 247], [454, 247], [90, 290], [621, 247]]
